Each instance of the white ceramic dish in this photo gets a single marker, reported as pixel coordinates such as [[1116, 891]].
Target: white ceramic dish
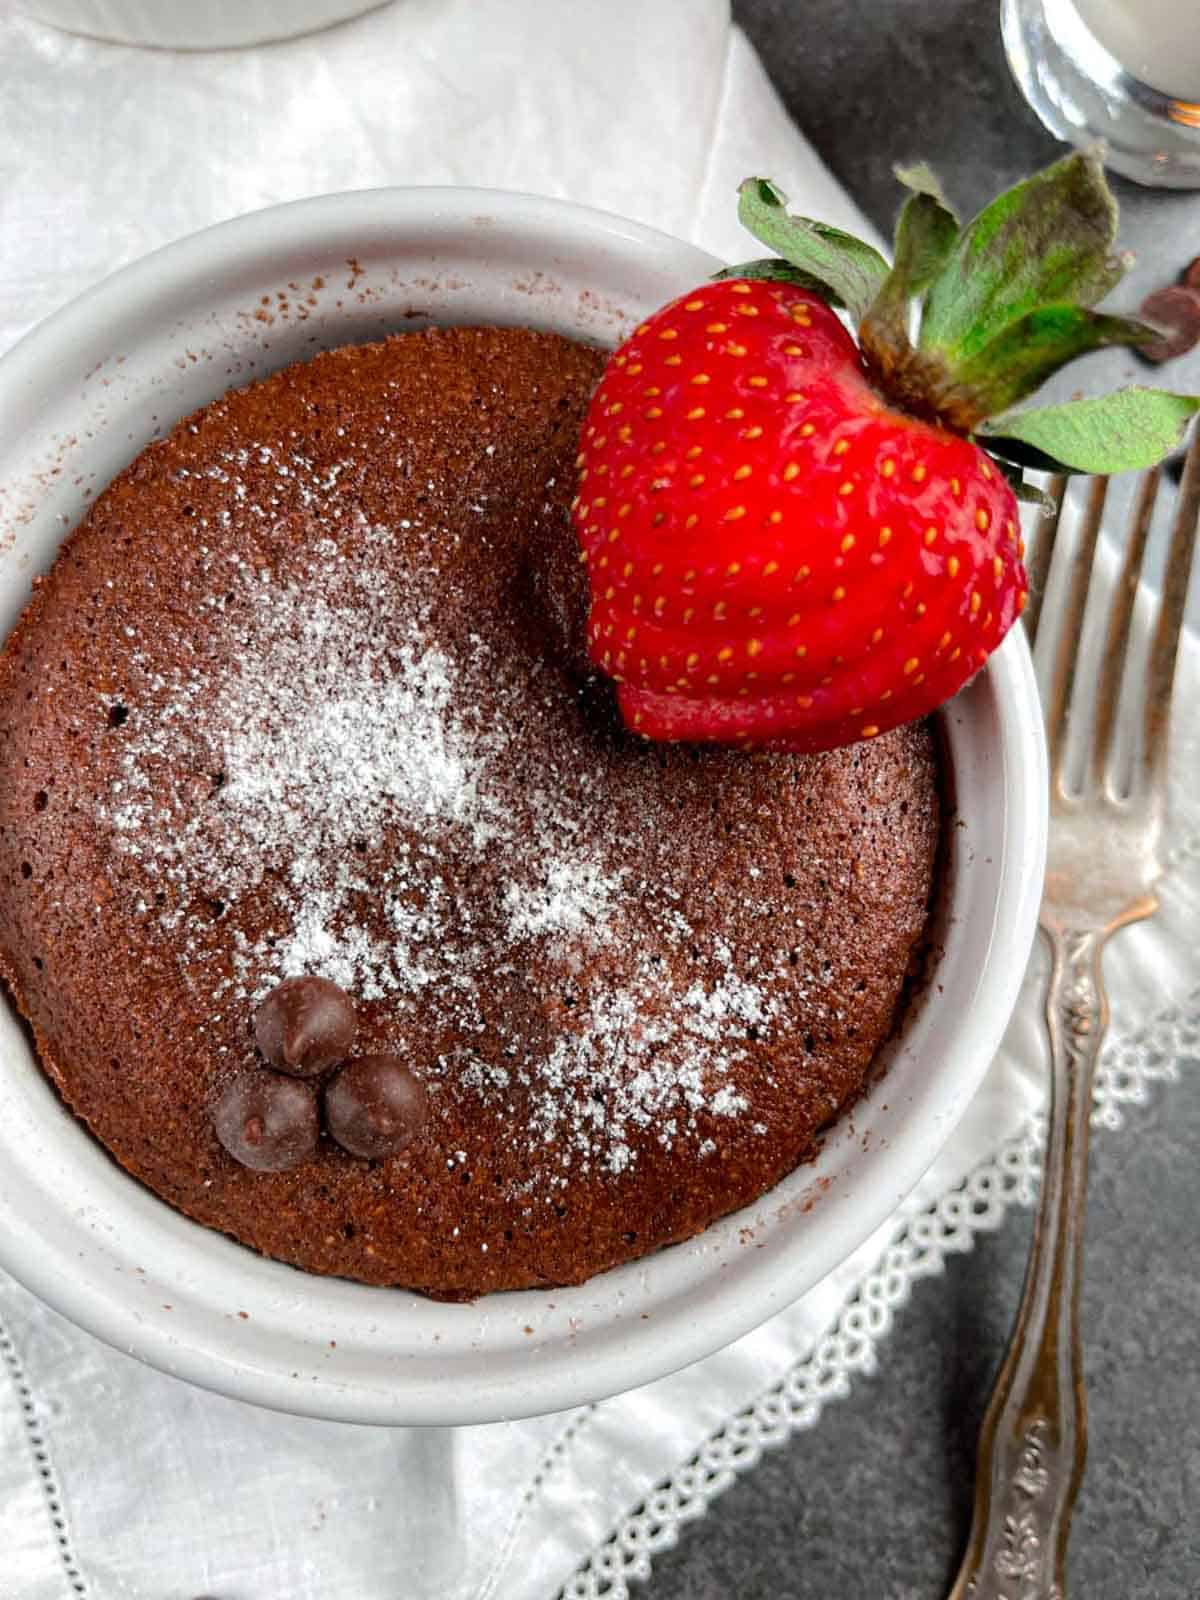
[[194, 24], [78, 398]]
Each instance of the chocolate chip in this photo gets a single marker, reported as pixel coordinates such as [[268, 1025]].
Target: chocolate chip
[[267, 1122], [1176, 311], [305, 1025], [375, 1106]]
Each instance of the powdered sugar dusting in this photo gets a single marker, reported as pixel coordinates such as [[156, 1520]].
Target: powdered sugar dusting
[[621, 1072], [573, 897], [320, 762], [319, 736]]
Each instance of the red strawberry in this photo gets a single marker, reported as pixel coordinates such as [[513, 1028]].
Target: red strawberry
[[780, 554], [774, 554]]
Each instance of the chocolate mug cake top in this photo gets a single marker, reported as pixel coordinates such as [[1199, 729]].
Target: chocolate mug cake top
[[303, 698]]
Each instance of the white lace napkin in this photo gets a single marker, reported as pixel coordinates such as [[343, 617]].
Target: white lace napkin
[[121, 1484]]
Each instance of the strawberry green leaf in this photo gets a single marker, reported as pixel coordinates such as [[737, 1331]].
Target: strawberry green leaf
[[925, 235], [1048, 241], [1118, 432], [1015, 454], [777, 271], [925, 232], [851, 269], [1020, 358], [1027, 493]]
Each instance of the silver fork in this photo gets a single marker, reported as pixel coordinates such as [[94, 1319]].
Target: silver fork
[[1104, 863]]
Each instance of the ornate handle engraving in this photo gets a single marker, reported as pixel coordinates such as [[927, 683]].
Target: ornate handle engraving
[[1034, 1440]]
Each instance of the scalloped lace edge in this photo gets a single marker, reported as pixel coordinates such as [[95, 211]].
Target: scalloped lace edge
[[1128, 1071]]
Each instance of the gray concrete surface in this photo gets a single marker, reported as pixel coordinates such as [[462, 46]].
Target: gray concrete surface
[[874, 1504]]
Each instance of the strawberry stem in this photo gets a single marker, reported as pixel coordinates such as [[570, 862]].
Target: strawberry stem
[[998, 306], [918, 382]]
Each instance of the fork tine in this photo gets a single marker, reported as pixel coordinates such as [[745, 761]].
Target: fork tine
[[1066, 660], [1039, 560], [1116, 643], [1160, 676]]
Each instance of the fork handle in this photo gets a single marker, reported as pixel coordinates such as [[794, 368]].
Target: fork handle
[[1034, 1440]]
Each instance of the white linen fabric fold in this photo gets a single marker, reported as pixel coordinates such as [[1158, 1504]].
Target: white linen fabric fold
[[654, 111], [121, 1484]]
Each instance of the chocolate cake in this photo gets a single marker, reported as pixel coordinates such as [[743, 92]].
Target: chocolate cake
[[302, 696]]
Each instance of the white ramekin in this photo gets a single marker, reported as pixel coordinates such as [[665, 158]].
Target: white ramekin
[[194, 24], [78, 398]]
